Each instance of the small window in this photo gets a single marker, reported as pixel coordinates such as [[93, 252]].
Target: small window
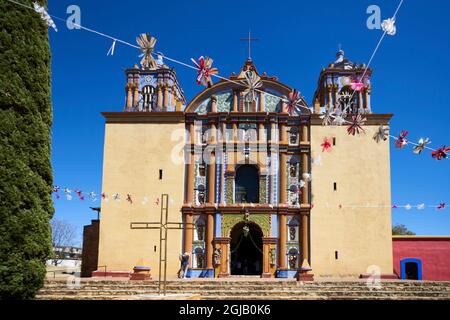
[[160, 174], [335, 186], [334, 141], [154, 248], [336, 255]]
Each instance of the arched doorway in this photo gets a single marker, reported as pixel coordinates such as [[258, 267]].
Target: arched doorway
[[246, 249], [247, 184]]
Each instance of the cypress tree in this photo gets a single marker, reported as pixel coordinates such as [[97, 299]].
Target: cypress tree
[[25, 170]]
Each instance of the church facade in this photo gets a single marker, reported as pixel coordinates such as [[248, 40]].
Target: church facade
[[248, 178]]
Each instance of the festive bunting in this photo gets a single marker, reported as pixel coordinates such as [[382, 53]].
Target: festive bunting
[[326, 145], [145, 200], [381, 134], [441, 206], [45, 16], [116, 197], [205, 70], [421, 206], [441, 153], [355, 126], [147, 45], [401, 139], [357, 85], [421, 145], [389, 27]]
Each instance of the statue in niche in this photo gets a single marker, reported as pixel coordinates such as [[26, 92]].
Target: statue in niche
[[201, 170], [292, 233], [293, 261], [201, 197], [217, 256], [293, 170]]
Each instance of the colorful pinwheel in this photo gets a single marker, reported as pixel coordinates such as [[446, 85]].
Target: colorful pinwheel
[[129, 199], [356, 124], [204, 70], [401, 139], [421, 145], [294, 99], [326, 145], [441, 153], [327, 117], [381, 134], [44, 15], [147, 45], [389, 27], [252, 84]]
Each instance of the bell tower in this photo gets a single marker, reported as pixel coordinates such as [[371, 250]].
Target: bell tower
[[154, 88], [344, 87]]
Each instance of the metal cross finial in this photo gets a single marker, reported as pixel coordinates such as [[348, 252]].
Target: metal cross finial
[[249, 39]]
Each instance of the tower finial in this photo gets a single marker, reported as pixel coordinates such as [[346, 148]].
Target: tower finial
[[249, 39]]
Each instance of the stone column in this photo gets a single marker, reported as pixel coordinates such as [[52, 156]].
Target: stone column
[[159, 98], [282, 179], [235, 132], [330, 99], [136, 97], [211, 179], [192, 133], [166, 98], [368, 107], [223, 244], [305, 241], [262, 102], [190, 177], [360, 101], [305, 167], [335, 93], [235, 101], [209, 240], [188, 234], [282, 241], [213, 104], [213, 132], [283, 134], [283, 104], [304, 133], [268, 270], [129, 97], [261, 133]]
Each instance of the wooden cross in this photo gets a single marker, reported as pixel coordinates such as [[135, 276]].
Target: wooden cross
[[249, 39], [163, 225]]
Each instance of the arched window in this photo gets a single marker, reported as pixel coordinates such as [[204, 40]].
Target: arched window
[[148, 94], [247, 184]]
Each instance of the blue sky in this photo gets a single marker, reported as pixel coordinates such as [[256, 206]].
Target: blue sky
[[297, 39]]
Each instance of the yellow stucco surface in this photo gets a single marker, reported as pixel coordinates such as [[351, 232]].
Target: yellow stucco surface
[[133, 155], [361, 236]]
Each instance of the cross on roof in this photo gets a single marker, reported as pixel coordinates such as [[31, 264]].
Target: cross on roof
[[249, 39]]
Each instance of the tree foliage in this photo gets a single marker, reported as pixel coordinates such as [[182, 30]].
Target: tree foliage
[[25, 170], [401, 230]]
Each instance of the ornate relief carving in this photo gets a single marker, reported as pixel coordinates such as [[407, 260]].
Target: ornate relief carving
[[230, 220]]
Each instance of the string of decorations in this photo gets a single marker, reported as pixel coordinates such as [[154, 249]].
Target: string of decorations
[[203, 66], [92, 196]]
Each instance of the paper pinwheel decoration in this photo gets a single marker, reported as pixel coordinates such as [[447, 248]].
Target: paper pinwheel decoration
[[381, 134], [356, 124], [294, 99], [204, 70], [326, 145], [252, 84], [45, 16], [389, 27], [421, 145], [441, 153], [401, 139], [129, 199], [338, 120], [327, 117], [147, 45]]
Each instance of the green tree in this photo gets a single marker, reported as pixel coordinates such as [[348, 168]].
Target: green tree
[[401, 230], [25, 170]]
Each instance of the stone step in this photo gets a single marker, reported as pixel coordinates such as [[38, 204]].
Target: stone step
[[70, 292]]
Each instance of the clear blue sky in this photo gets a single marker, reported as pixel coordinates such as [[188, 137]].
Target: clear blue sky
[[297, 38]]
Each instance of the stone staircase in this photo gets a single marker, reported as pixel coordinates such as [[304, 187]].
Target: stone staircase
[[244, 289]]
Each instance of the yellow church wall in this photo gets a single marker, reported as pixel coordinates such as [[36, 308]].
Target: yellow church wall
[[361, 236], [133, 155]]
